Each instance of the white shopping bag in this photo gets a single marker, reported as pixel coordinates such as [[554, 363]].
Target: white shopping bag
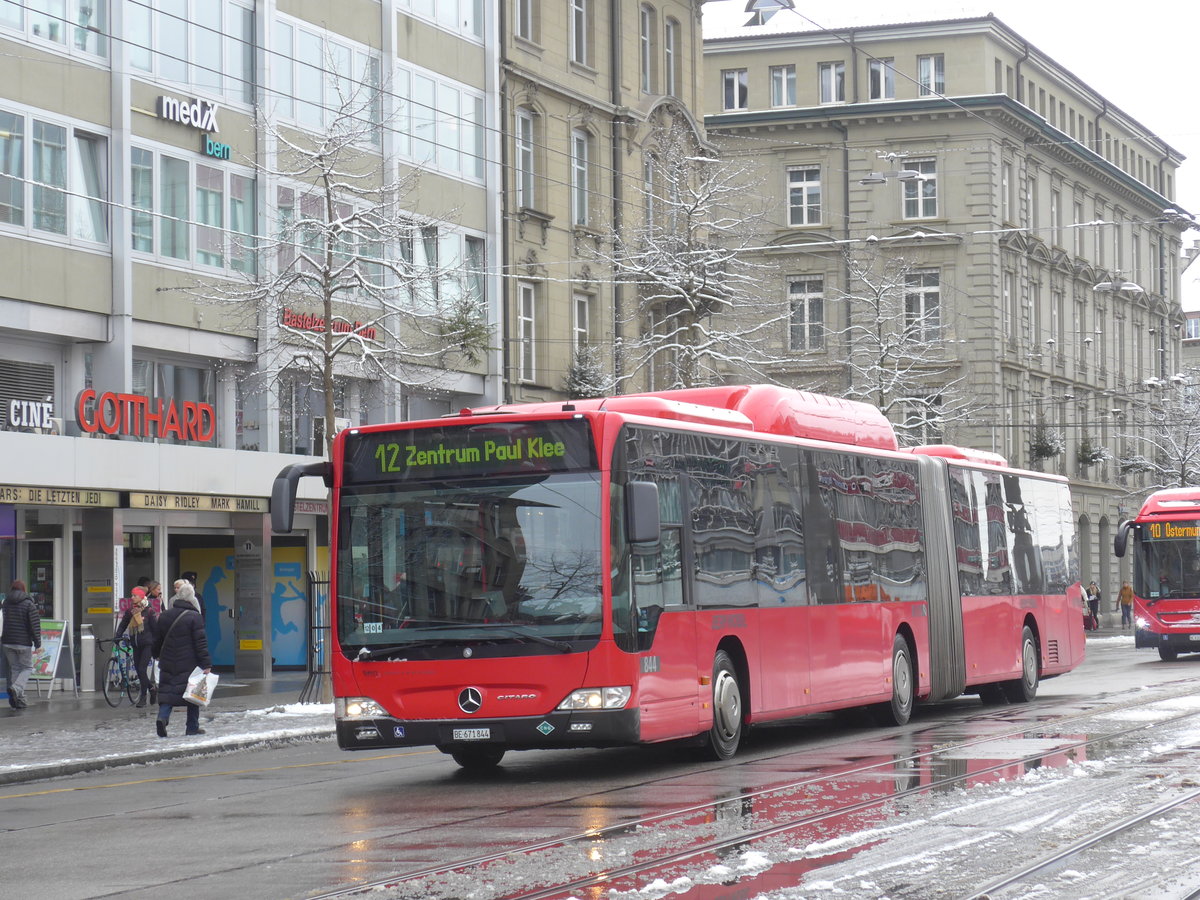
[[200, 687]]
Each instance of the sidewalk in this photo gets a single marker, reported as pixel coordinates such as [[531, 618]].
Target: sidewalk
[[62, 734]]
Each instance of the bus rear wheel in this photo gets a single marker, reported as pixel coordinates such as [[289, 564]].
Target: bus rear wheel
[[1024, 689], [1166, 654], [899, 710], [477, 759], [726, 732]]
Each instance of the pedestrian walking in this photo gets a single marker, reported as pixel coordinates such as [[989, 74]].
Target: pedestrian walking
[[154, 595], [1093, 599], [1125, 601], [139, 621], [180, 645], [22, 635]]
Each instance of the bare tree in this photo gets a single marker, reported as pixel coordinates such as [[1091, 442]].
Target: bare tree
[[698, 313], [1165, 446], [349, 283], [896, 344]]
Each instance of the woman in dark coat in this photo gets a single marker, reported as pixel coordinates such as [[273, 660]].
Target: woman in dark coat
[[139, 621], [180, 645]]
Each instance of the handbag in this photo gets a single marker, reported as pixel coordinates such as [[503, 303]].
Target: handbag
[[200, 687]]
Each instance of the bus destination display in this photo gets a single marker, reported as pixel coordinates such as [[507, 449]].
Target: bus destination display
[[492, 448], [1171, 531]]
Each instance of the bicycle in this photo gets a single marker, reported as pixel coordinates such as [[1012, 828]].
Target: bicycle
[[120, 677]]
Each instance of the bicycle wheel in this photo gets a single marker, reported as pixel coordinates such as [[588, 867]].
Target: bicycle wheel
[[133, 687], [113, 680]]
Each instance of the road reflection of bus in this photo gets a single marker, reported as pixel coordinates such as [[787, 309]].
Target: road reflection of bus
[[1166, 571], [680, 565], [860, 786]]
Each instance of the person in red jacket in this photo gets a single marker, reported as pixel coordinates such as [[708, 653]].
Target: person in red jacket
[[22, 635]]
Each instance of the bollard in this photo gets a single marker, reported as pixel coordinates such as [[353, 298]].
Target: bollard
[[87, 658]]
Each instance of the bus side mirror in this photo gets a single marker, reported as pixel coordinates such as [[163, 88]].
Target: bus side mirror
[[283, 492], [1122, 537], [641, 512]]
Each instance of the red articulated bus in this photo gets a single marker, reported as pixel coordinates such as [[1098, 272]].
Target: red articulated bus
[[1166, 571], [655, 567]]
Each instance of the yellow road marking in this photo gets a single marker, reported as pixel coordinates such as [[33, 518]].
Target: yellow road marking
[[121, 784]]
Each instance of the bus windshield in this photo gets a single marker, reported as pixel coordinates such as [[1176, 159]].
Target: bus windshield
[[1168, 561], [500, 566]]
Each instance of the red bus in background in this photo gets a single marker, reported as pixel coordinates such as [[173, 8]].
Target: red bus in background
[[654, 567], [1166, 571]]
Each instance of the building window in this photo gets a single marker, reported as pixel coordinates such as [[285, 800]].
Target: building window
[[525, 159], [27, 395], [77, 26], [141, 192], [920, 194], [1077, 231], [439, 123], [581, 32], [1192, 328], [1006, 192], [806, 330], [1010, 303], [671, 57], [330, 79], [649, 186], [167, 381], [735, 88], [647, 51], [581, 326], [66, 193], [459, 16], [804, 196], [783, 85], [525, 19], [931, 74], [922, 305], [526, 311], [881, 79], [580, 176], [832, 82], [205, 45], [206, 215], [1056, 218]]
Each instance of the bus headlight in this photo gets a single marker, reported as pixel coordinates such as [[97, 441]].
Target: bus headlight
[[1140, 622], [597, 698], [357, 708]]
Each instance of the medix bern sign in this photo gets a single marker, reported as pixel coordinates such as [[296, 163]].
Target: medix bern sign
[[140, 416], [201, 114]]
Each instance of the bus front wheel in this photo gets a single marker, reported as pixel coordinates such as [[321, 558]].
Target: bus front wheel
[[1024, 689], [726, 731], [1166, 654], [477, 759], [899, 710]]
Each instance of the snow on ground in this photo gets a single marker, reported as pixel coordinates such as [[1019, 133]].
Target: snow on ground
[[128, 733]]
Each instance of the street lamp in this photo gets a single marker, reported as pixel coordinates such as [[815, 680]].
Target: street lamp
[[1117, 285]]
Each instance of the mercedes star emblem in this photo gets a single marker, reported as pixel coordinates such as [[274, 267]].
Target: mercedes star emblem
[[469, 700]]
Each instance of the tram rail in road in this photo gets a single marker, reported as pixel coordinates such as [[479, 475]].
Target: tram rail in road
[[697, 836]]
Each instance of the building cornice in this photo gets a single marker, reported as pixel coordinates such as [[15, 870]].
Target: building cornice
[[1034, 125]]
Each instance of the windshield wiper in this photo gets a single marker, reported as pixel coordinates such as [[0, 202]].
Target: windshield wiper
[[517, 630]]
